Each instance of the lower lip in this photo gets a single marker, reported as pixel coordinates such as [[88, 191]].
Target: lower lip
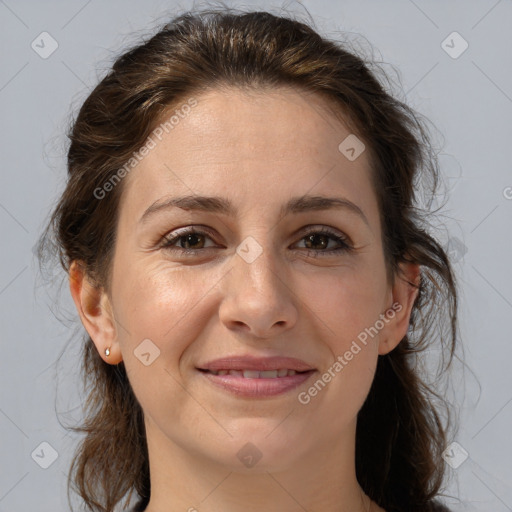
[[257, 388]]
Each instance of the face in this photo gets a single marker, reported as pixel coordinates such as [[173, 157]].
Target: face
[[267, 275]]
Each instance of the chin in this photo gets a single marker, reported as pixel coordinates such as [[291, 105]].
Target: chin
[[259, 447]]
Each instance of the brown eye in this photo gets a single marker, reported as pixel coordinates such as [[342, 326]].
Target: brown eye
[[318, 241], [190, 241]]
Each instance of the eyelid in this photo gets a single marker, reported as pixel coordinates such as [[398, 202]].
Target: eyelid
[[319, 228], [190, 230]]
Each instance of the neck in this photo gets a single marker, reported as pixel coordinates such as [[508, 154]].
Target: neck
[[322, 478]]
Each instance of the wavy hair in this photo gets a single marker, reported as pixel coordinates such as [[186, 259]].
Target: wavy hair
[[400, 433]]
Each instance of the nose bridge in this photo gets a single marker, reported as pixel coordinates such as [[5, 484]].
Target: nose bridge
[[255, 293], [256, 260]]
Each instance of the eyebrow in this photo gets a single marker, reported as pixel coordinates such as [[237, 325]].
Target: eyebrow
[[220, 205]]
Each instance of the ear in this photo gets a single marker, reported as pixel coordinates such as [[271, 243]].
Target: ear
[[404, 293], [96, 314]]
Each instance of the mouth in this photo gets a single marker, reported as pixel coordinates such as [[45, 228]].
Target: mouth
[[257, 374], [256, 384]]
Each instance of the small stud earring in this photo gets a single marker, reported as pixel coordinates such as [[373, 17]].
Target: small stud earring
[[107, 351]]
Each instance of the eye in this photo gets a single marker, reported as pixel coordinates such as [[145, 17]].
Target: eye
[[192, 242], [321, 238], [188, 237]]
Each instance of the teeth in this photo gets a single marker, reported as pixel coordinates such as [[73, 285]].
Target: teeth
[[270, 374], [250, 374], [255, 374]]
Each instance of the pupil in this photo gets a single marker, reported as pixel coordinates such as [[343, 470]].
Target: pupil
[[311, 238], [188, 237]]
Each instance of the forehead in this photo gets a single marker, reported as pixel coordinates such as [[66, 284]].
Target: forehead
[[261, 146], [284, 122]]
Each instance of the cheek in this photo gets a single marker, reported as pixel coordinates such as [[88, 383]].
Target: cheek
[[164, 305], [346, 309], [159, 302], [345, 304]]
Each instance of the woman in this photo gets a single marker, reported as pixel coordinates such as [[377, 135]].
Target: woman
[[246, 254]]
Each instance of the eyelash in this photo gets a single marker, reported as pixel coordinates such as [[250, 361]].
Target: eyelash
[[345, 248]]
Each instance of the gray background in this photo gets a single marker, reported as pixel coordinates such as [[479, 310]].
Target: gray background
[[468, 98]]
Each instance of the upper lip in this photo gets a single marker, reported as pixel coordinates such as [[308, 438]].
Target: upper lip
[[256, 363]]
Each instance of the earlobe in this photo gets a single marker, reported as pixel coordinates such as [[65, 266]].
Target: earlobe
[[94, 308], [404, 292]]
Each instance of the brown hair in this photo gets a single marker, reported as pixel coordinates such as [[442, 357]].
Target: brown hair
[[400, 435]]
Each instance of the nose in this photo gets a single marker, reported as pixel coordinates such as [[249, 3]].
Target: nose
[[258, 298]]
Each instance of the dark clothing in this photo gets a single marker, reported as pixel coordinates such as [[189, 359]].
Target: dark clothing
[[435, 506]]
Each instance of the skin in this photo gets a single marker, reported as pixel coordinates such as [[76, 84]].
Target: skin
[[258, 150]]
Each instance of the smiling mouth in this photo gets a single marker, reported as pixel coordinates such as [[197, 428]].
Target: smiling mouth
[[255, 374], [256, 384]]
